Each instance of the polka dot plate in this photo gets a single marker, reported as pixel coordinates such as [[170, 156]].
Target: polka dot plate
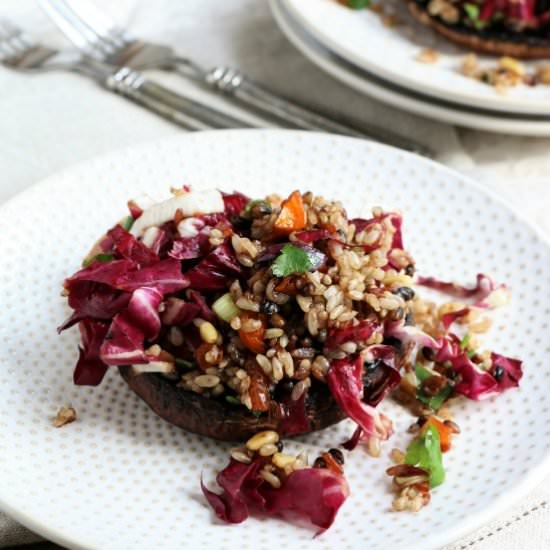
[[120, 477]]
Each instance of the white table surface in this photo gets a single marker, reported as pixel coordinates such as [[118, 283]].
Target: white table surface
[[51, 121]]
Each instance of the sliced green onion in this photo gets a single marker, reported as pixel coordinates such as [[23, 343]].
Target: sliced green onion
[[250, 205], [358, 4], [224, 307], [472, 11], [97, 258], [422, 373], [127, 223], [184, 363], [465, 341], [433, 401], [425, 451], [232, 400]]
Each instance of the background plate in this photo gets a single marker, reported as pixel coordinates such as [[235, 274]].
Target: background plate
[[389, 52], [400, 97], [120, 477]]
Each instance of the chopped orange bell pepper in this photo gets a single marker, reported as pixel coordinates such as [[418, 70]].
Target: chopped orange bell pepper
[[200, 354], [292, 216], [287, 286], [444, 432], [253, 340]]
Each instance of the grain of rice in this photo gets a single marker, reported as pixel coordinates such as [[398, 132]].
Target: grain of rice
[[265, 363], [175, 336], [251, 325], [240, 456], [312, 322], [287, 361], [373, 446], [273, 333], [355, 294], [304, 302], [300, 388], [218, 390], [349, 347], [390, 302], [277, 369], [235, 323], [207, 381], [247, 303], [336, 312], [272, 479]]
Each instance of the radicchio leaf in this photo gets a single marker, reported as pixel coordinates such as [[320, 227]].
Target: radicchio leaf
[[475, 383], [101, 272], [205, 312], [165, 276], [506, 371], [123, 344], [381, 375], [345, 381], [178, 312], [94, 301], [127, 246], [90, 370], [360, 332], [143, 310], [214, 271], [234, 203], [314, 493]]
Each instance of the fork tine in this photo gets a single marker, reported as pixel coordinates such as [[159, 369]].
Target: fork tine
[[72, 26], [100, 23], [14, 44]]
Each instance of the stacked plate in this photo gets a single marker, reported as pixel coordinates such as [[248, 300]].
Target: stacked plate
[[357, 48]]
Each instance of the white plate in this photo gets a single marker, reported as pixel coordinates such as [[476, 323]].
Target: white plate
[[120, 477], [420, 104], [389, 52]]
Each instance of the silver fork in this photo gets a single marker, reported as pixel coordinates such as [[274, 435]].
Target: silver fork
[[99, 37], [19, 51]]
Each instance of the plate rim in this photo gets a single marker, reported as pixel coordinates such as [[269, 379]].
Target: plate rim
[[503, 103], [490, 122], [505, 501]]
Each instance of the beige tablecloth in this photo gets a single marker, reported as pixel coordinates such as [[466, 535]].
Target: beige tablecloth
[[49, 122]]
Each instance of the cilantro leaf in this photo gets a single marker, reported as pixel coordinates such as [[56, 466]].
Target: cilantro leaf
[[291, 260], [232, 400], [425, 451]]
